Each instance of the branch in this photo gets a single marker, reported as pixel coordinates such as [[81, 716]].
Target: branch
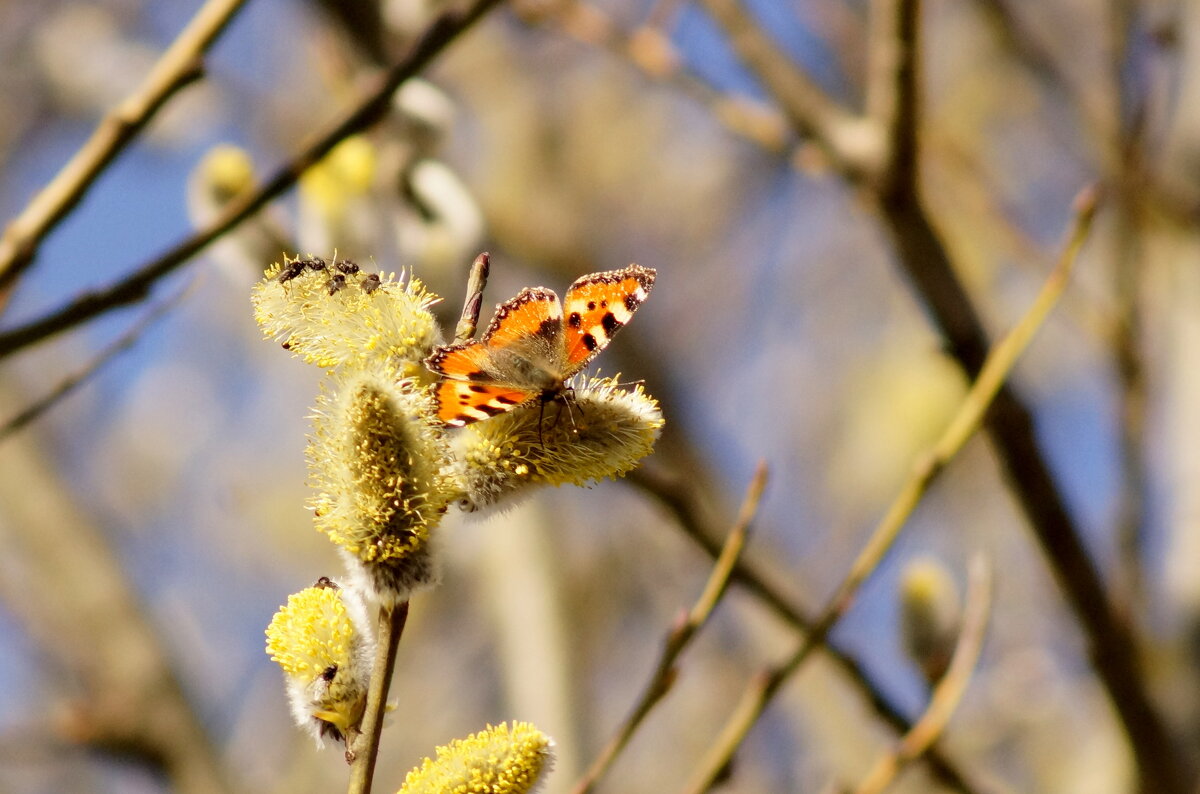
[[180, 65], [69, 384], [962, 426], [949, 690], [680, 500], [682, 634], [374, 106], [363, 750]]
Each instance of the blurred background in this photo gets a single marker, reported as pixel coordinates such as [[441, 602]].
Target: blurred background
[[154, 520]]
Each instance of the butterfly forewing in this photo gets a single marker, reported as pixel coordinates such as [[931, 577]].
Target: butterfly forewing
[[599, 305], [534, 312]]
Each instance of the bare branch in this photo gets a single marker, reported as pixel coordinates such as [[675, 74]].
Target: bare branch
[[663, 677], [962, 427], [370, 109], [179, 65], [363, 749], [69, 384]]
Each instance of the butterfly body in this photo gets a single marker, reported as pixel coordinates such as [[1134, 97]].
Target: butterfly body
[[534, 344]]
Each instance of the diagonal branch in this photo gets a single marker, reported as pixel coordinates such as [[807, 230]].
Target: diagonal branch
[[180, 65], [373, 107], [969, 417], [682, 634], [892, 183], [679, 498]]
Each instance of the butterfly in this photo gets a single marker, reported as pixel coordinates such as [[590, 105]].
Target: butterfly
[[534, 344]]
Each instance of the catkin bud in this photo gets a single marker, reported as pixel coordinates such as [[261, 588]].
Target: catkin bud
[[930, 616], [494, 761], [320, 640], [596, 430], [375, 459], [336, 315]]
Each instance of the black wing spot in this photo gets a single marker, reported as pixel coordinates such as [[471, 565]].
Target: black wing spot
[[591, 306], [574, 320], [504, 399], [590, 342], [631, 302], [477, 388], [611, 324], [548, 327], [491, 410]]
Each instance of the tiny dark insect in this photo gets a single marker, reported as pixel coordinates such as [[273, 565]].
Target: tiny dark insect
[[346, 266], [290, 271], [316, 263], [336, 283], [370, 283], [325, 583]]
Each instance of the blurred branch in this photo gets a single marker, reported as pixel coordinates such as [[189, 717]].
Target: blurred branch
[[649, 49], [851, 143], [679, 497], [70, 592], [894, 186], [962, 427], [180, 65], [363, 749], [371, 108], [949, 690], [681, 635], [69, 384]]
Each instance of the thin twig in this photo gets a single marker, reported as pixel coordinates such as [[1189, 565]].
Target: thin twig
[[678, 497], [473, 302], [180, 65], [962, 426], [893, 185], [374, 106], [678, 639], [363, 751], [70, 383], [949, 690]]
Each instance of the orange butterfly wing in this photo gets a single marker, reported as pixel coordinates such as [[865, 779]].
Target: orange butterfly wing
[[599, 305], [461, 402]]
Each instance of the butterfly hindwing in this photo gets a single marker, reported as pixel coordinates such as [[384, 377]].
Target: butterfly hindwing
[[463, 402], [599, 305]]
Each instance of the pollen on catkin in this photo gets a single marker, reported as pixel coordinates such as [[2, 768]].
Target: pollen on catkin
[[337, 315], [325, 651], [596, 430], [494, 761], [376, 459]]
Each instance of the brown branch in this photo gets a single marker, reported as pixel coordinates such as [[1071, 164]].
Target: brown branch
[[678, 497], [962, 427], [70, 383], [180, 65], [678, 639], [363, 750], [949, 690], [373, 107], [893, 184]]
